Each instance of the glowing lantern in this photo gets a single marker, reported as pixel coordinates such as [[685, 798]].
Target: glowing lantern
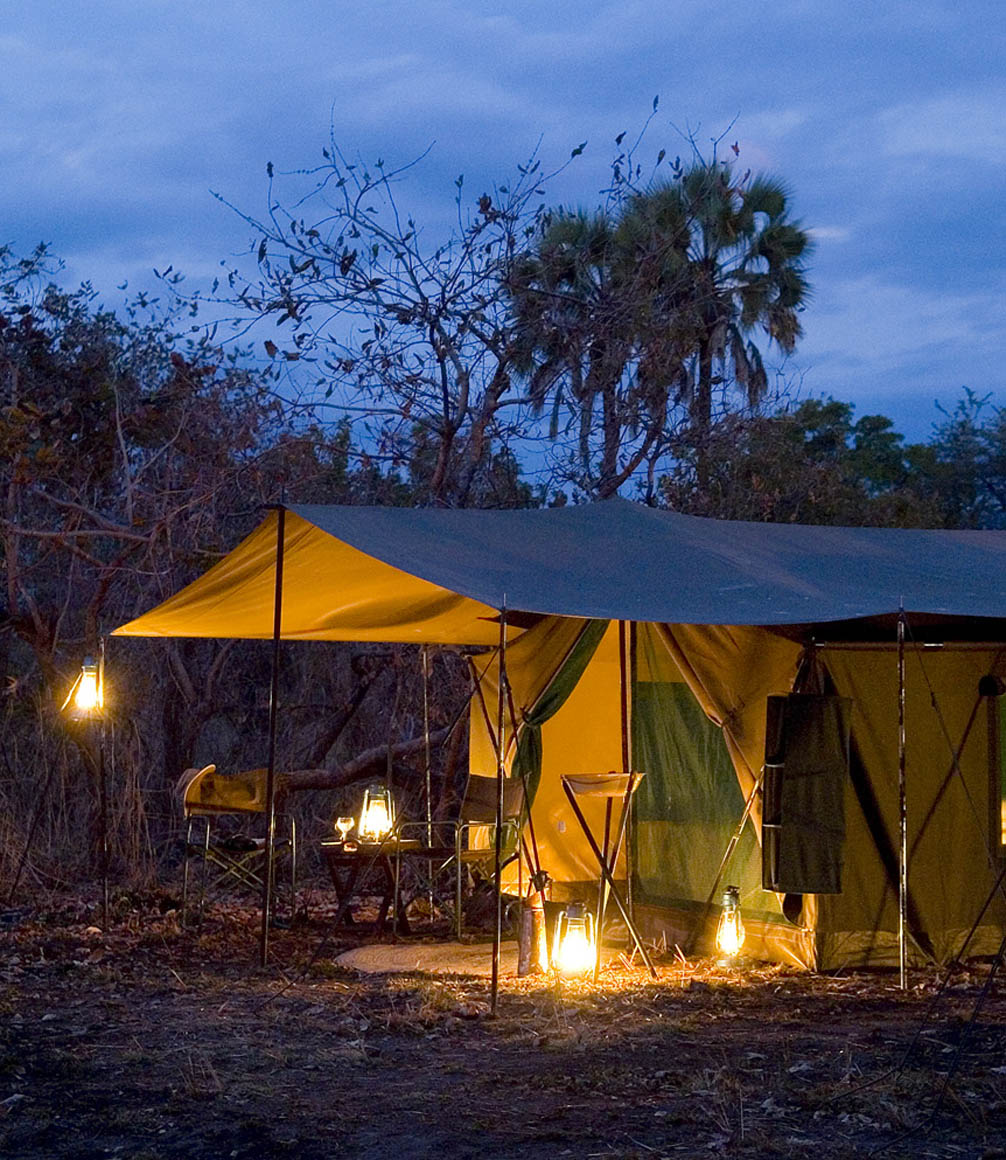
[[575, 946], [87, 697], [730, 933], [378, 814]]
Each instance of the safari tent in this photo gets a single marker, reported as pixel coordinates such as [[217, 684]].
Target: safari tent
[[779, 722]]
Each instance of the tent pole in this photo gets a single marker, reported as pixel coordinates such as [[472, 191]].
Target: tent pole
[[902, 808], [424, 654], [103, 787], [602, 886], [270, 781], [498, 845], [623, 683], [630, 764], [533, 867]]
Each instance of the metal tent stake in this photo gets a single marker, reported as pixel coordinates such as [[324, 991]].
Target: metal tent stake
[[270, 782]]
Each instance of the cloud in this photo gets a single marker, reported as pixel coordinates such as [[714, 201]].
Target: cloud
[[870, 322], [830, 233], [963, 125], [896, 348]]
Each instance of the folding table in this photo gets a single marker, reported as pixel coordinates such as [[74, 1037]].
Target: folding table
[[349, 866]]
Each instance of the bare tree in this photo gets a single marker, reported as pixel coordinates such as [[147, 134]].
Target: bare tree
[[409, 337]]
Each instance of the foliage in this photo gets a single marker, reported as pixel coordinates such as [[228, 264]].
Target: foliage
[[131, 457], [814, 463]]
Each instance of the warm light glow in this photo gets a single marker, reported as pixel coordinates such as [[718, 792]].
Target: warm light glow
[[730, 933], [86, 697], [576, 949], [378, 814]]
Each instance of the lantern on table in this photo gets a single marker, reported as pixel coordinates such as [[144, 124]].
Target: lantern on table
[[377, 817], [730, 932], [575, 942]]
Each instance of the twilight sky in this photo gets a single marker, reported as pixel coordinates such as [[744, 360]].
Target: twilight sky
[[887, 122]]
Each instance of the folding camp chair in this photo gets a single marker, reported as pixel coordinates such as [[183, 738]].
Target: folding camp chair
[[452, 850], [234, 856]]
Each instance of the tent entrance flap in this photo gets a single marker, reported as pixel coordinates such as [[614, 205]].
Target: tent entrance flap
[[689, 803]]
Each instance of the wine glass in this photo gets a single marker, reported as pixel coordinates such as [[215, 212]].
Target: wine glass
[[344, 825]]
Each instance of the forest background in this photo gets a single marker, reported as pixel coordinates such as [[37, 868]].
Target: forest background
[[538, 355]]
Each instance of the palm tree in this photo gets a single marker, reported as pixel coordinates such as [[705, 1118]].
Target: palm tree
[[737, 263], [641, 308], [568, 338]]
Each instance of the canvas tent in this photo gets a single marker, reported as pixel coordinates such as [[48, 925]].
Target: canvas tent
[[723, 614]]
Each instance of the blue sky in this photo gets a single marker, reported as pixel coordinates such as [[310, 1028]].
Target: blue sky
[[887, 122]]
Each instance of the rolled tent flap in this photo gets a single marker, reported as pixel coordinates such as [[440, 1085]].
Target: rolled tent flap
[[579, 732], [527, 759]]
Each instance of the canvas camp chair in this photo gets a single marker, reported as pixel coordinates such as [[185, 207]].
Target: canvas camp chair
[[460, 849], [228, 853]]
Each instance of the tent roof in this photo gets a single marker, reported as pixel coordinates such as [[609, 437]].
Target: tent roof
[[406, 574]]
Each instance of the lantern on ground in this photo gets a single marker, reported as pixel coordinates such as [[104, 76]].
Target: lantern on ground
[[377, 817], [575, 943], [730, 932]]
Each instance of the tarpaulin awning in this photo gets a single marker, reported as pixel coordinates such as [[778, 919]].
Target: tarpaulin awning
[[437, 575]]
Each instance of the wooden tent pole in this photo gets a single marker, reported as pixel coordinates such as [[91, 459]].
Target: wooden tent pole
[[427, 757], [902, 809], [498, 845], [602, 886], [270, 780], [424, 656], [629, 766], [103, 785]]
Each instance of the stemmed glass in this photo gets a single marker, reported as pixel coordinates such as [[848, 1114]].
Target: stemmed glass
[[344, 825]]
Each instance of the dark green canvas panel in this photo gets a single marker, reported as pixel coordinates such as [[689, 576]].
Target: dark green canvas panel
[[688, 806], [806, 774]]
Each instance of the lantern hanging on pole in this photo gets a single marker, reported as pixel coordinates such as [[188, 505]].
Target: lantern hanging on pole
[[87, 696], [86, 702], [575, 941], [730, 932], [377, 817]]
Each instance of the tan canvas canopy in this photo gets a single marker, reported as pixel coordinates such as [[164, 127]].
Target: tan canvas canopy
[[724, 612]]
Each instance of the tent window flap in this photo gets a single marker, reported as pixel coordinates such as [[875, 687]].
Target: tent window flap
[[803, 813]]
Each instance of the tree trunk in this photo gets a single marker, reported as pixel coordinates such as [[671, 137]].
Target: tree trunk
[[370, 763], [702, 413]]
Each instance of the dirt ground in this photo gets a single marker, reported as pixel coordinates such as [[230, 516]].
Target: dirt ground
[[150, 1042]]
